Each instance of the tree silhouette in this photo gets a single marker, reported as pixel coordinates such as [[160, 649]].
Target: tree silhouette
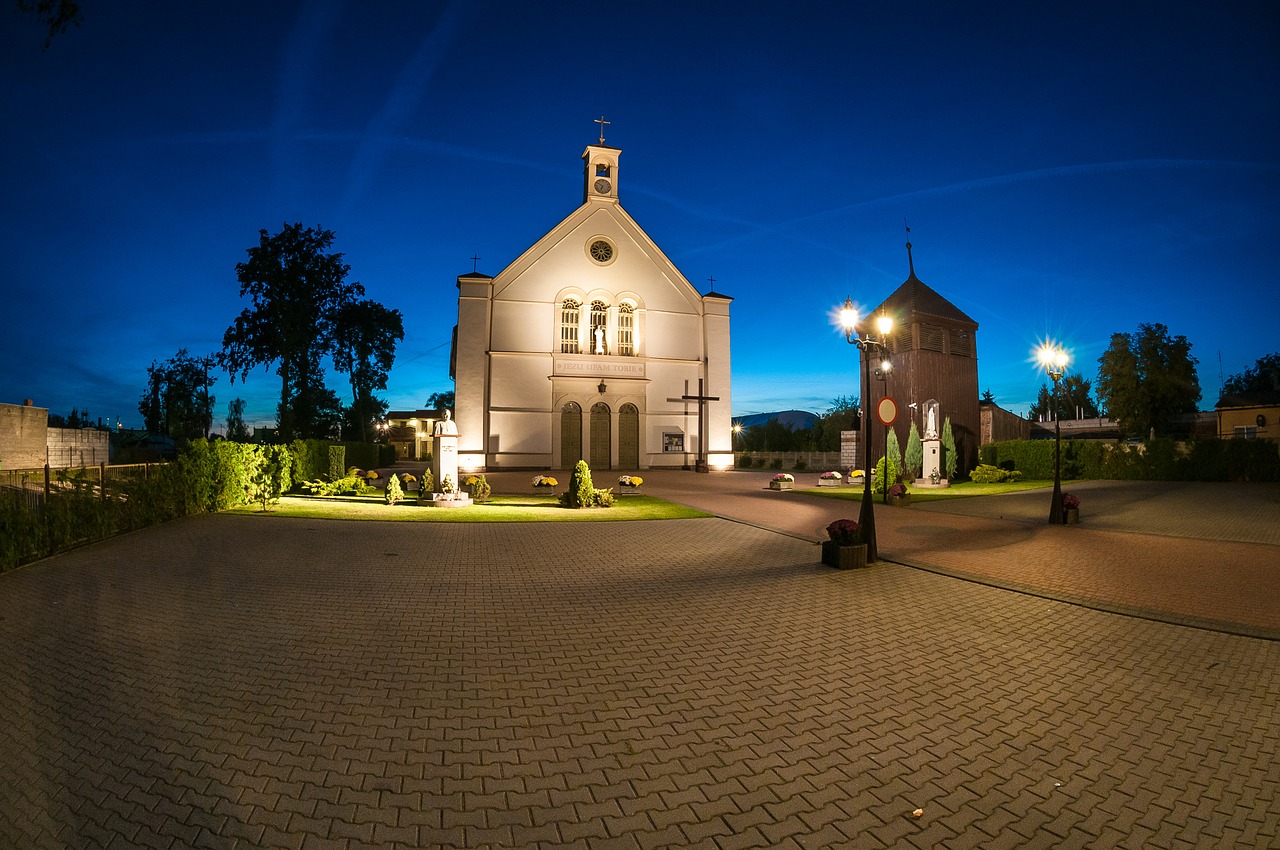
[[297, 289]]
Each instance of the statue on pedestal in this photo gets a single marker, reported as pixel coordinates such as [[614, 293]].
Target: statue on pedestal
[[445, 427]]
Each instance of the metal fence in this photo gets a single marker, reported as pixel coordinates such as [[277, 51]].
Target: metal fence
[[34, 487], [815, 461]]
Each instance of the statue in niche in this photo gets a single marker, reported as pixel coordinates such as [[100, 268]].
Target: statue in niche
[[931, 420], [599, 333], [446, 427]]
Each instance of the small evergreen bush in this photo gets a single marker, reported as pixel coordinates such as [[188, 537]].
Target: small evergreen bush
[[394, 493]]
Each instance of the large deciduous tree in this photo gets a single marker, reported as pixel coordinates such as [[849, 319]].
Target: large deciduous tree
[[1074, 400], [298, 289], [1263, 377], [177, 402], [366, 334], [1147, 379], [237, 430]]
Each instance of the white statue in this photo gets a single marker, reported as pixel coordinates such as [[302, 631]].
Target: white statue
[[446, 427], [599, 332], [931, 423]]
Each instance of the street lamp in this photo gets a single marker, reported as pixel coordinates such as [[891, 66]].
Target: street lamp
[[737, 432], [867, 344], [1054, 359]]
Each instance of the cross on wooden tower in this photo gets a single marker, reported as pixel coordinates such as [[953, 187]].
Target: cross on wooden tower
[[702, 431]]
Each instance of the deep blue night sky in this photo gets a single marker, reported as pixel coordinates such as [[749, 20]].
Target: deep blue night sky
[[1067, 171]]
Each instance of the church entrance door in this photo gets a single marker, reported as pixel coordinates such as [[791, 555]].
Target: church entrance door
[[570, 435], [628, 437], [600, 445]]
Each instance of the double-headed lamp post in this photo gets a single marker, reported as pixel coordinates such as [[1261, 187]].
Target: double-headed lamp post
[[1054, 359], [866, 344]]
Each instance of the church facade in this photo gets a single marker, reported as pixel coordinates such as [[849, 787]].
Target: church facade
[[591, 345]]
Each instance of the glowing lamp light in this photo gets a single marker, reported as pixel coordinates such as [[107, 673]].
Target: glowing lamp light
[[884, 324], [720, 460], [848, 316]]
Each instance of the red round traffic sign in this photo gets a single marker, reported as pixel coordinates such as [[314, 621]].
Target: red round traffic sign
[[887, 410]]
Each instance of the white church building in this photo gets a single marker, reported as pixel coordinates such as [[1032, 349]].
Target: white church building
[[591, 345]]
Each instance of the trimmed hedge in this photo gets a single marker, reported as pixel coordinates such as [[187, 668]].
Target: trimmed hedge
[[206, 477], [1157, 460], [311, 458]]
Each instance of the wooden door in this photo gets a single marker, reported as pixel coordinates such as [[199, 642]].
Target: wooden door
[[600, 444]]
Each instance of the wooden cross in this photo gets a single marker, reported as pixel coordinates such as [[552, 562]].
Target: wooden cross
[[602, 122], [702, 432]]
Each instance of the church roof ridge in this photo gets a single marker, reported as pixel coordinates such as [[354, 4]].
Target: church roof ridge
[[915, 296], [714, 294]]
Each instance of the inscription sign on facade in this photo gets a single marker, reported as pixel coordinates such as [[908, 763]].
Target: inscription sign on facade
[[596, 366]]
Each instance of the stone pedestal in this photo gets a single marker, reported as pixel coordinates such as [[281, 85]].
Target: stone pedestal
[[444, 459], [932, 460]]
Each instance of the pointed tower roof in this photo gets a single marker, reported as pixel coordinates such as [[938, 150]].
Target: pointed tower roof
[[915, 298]]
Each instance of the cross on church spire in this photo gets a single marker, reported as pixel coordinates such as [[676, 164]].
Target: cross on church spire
[[712, 280], [602, 122], [911, 266], [474, 261]]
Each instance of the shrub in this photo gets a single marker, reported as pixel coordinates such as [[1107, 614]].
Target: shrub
[[337, 461], [985, 473], [745, 461], [428, 482], [882, 480], [776, 463], [800, 466], [602, 498], [394, 492], [480, 488], [581, 493]]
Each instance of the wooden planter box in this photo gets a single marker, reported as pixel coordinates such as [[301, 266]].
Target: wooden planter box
[[1072, 515], [844, 557]]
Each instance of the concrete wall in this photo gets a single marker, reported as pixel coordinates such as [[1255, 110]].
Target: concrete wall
[[22, 436], [78, 447], [999, 425]]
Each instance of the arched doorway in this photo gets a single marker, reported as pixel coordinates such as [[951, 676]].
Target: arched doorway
[[570, 435], [628, 437], [600, 446]]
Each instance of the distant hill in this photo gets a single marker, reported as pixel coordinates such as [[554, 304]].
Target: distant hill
[[796, 420]]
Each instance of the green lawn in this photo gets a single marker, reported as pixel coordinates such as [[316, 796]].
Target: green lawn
[[955, 491], [499, 508]]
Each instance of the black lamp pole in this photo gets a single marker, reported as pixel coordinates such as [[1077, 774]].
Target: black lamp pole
[[1054, 358], [1056, 514], [866, 345]]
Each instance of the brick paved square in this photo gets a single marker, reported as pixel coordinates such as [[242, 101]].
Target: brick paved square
[[290, 683]]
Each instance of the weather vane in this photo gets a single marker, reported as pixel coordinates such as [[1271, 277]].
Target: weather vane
[[602, 122]]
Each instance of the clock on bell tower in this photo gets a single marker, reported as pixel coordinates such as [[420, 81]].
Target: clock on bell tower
[[601, 173]]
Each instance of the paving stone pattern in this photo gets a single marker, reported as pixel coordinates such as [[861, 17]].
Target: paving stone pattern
[[233, 681]]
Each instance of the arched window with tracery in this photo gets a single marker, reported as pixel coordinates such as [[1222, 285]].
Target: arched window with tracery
[[626, 330], [599, 328], [569, 315]]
